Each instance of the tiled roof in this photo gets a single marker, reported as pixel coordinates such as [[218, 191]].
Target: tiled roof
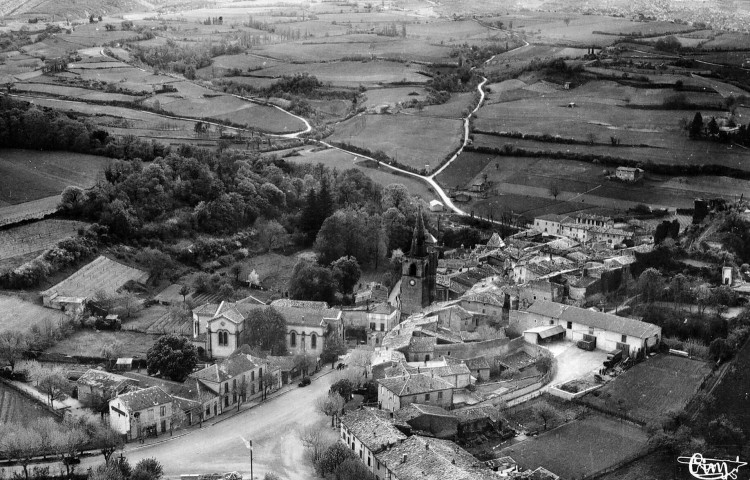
[[551, 217], [232, 366], [206, 309], [283, 363], [400, 336], [415, 410], [488, 298], [146, 398], [101, 379], [373, 428], [414, 384], [228, 311], [420, 458], [471, 414], [478, 363], [307, 316], [422, 344], [600, 320], [306, 304]]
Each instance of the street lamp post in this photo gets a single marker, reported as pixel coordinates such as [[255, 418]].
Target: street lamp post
[[249, 446]]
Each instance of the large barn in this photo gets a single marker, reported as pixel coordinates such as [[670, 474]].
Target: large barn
[[544, 319]]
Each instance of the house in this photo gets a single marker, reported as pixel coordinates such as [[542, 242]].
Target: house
[[376, 318], [398, 392], [427, 420], [238, 378], [141, 413], [610, 332], [97, 386], [628, 174], [549, 223], [368, 432], [479, 368], [455, 373], [308, 324], [477, 420], [198, 402], [421, 458], [436, 206]]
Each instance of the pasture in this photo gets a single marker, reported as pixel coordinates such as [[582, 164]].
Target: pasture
[[419, 142], [579, 448], [352, 74], [28, 210], [27, 175], [392, 96], [36, 237], [89, 343], [19, 314], [16, 407], [652, 388]]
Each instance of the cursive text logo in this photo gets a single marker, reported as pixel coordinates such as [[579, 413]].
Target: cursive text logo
[[712, 468]]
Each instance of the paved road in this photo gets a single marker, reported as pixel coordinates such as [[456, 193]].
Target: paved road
[[272, 427]]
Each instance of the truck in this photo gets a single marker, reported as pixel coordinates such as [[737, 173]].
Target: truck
[[613, 358]]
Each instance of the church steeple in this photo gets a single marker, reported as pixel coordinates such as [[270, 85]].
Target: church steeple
[[418, 247]]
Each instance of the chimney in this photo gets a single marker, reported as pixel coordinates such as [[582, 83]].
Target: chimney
[[426, 446], [403, 459]]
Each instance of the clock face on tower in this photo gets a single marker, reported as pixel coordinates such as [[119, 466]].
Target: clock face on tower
[[412, 282]]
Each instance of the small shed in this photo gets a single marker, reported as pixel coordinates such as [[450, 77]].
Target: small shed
[[544, 334], [124, 364], [436, 206]]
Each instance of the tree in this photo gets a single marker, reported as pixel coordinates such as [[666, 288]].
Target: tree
[[314, 441], [52, 382], [147, 469], [332, 457], [106, 471], [107, 440], [343, 234], [544, 365], [696, 126], [265, 328], [236, 271], [334, 346], [346, 271], [184, 291], [330, 405], [20, 443], [312, 282], [305, 363], [126, 25], [268, 381], [171, 356], [226, 292], [344, 388], [720, 350], [554, 190], [650, 284], [544, 413], [271, 234], [178, 419], [12, 345], [351, 469], [722, 432], [66, 443], [155, 261]]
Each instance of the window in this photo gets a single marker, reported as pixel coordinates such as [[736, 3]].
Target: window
[[252, 376], [372, 325], [570, 325], [208, 411], [226, 387], [591, 331], [293, 339], [440, 395], [382, 327], [223, 338], [369, 461], [426, 397], [234, 383], [313, 341], [624, 339], [551, 322], [163, 411]]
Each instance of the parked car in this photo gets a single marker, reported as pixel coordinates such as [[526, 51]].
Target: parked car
[[305, 382]]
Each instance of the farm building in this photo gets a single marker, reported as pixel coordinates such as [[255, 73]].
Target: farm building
[[436, 206], [628, 174], [610, 332], [102, 274], [427, 419]]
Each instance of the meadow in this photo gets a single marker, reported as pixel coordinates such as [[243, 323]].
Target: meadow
[[419, 142], [653, 388], [36, 237], [579, 448], [31, 175], [89, 343], [352, 74], [19, 314]]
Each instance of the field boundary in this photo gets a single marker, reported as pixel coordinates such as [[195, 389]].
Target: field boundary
[[57, 413]]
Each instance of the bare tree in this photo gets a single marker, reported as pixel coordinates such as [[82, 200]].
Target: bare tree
[[184, 291], [53, 383], [271, 234], [20, 443], [554, 190], [12, 345], [544, 413], [268, 381], [178, 419], [66, 443], [313, 439]]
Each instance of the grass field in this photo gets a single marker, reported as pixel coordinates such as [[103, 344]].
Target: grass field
[[34, 209], [260, 117], [27, 175], [90, 343], [391, 96], [579, 448], [35, 237], [102, 274], [352, 73], [341, 161], [18, 314], [74, 92], [410, 140], [18, 408], [652, 388]]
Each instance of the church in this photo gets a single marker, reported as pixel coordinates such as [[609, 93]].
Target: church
[[418, 272]]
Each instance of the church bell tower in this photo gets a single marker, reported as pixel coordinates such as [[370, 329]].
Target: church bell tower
[[418, 272]]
